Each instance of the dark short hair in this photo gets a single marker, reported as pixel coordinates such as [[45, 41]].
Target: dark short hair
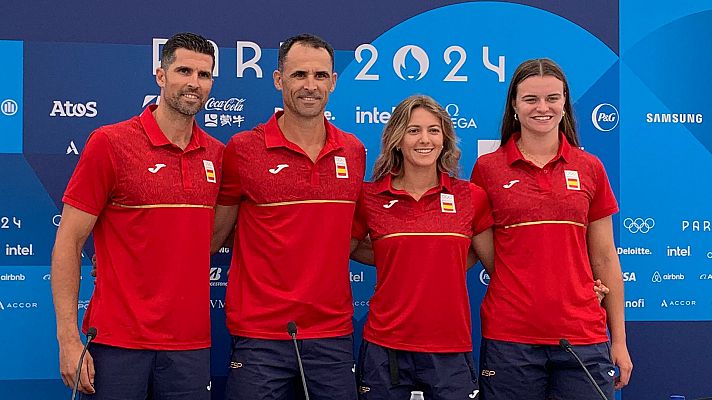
[[188, 41], [527, 69], [306, 39]]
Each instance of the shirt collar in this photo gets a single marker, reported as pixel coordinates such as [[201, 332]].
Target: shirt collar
[[158, 138], [513, 154], [274, 137], [385, 185]]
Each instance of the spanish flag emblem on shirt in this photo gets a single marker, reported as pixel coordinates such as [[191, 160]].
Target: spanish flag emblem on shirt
[[342, 171], [447, 203], [572, 180], [209, 171]]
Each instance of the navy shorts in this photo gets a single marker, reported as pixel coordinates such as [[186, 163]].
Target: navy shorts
[[385, 374], [268, 369], [128, 374], [515, 371]]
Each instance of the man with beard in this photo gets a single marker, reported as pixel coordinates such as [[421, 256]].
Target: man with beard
[[292, 183], [147, 188]]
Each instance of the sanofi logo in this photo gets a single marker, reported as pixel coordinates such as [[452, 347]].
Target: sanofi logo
[[605, 117]]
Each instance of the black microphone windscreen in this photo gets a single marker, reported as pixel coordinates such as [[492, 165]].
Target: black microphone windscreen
[[91, 332], [292, 328], [564, 344]]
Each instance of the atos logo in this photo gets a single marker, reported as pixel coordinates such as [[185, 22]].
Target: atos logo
[[69, 109], [629, 277], [9, 107], [605, 117], [484, 277], [402, 57]]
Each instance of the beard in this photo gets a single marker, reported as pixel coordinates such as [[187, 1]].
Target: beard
[[304, 111], [179, 104]]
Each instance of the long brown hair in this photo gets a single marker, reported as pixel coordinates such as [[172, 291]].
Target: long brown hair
[[391, 159], [538, 67]]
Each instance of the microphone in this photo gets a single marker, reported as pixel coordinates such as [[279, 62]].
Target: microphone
[[567, 346], [292, 330], [91, 334]]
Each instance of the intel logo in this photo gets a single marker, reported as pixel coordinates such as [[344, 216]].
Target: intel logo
[[605, 117]]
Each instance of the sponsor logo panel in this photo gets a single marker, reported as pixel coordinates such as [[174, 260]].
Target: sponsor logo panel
[[11, 96], [379, 115]]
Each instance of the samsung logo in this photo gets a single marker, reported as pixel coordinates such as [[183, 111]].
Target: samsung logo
[[673, 118]]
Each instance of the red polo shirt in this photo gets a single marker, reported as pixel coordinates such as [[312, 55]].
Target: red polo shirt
[[420, 247], [291, 254], [541, 289], [155, 207]]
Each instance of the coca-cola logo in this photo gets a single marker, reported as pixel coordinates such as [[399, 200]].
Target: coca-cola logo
[[232, 104]]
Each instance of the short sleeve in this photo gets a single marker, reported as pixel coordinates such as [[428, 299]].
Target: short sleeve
[[94, 177], [604, 202], [476, 176], [482, 211], [230, 187], [359, 228]]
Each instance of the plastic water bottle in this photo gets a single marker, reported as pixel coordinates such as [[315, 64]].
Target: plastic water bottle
[[677, 397], [416, 395]]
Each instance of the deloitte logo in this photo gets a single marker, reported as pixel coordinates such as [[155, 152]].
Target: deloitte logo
[[9, 107], [605, 117], [402, 64]]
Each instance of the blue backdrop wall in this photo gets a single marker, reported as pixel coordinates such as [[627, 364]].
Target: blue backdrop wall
[[637, 72]]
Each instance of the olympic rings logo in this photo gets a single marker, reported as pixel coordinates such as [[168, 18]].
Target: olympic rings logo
[[639, 225]]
